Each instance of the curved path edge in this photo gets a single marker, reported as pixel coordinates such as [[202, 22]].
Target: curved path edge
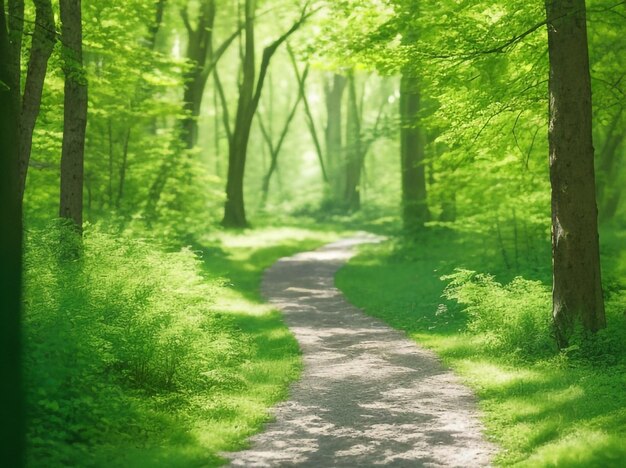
[[368, 395]]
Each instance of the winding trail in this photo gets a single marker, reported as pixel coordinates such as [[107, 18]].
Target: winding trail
[[368, 395]]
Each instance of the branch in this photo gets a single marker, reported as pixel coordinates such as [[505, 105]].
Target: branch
[[290, 118], [497, 49], [270, 50], [266, 135], [225, 112], [307, 109], [184, 14], [503, 47], [217, 54]]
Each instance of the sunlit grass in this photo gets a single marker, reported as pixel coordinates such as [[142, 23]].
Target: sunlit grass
[[549, 412], [240, 357], [224, 419]]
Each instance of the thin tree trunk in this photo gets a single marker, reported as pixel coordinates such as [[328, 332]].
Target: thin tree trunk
[[12, 425], [310, 121], [414, 204], [15, 22], [75, 114], [609, 189], [234, 209], [153, 31], [111, 157], [334, 141], [353, 151], [198, 45], [577, 289], [192, 102], [248, 102], [123, 168], [275, 149], [44, 38], [216, 132]]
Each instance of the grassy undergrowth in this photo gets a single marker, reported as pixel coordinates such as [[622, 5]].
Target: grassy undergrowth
[[139, 357], [542, 407]]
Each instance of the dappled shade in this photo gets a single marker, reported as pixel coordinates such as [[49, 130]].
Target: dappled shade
[[368, 395]]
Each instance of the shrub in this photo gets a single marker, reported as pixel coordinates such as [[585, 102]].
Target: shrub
[[512, 318], [107, 334]]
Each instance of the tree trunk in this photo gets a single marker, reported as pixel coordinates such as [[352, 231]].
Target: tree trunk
[[577, 288], [198, 46], [75, 114], [609, 188], [247, 105], [353, 152], [234, 209], [122, 169], [44, 38], [15, 23], [11, 392], [414, 204], [154, 28], [334, 142]]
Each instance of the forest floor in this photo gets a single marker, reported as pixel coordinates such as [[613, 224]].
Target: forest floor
[[368, 394], [543, 410]]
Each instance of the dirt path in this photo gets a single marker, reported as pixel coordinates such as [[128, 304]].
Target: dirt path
[[368, 396]]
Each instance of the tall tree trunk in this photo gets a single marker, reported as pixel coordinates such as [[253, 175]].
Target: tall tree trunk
[[75, 114], [11, 392], [414, 205], [195, 82], [15, 23], [44, 38], [234, 209], [198, 46], [247, 105], [122, 169], [577, 289], [609, 188], [334, 142], [353, 151], [154, 28]]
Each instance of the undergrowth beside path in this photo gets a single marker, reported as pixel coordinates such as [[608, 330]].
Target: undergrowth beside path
[[149, 357], [544, 408]]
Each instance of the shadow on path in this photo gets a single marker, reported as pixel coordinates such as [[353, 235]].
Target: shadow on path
[[368, 395]]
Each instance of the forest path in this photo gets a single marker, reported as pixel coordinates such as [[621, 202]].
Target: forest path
[[368, 395]]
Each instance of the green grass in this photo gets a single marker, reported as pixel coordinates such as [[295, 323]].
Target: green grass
[[103, 334], [546, 412], [241, 259]]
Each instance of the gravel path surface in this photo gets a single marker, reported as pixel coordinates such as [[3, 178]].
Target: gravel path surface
[[368, 395]]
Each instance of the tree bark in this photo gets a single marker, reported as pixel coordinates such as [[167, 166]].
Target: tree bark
[[577, 288], [44, 38], [234, 209], [414, 203], [609, 189], [199, 42], [154, 28], [334, 142], [15, 23], [75, 114], [354, 154], [122, 169], [11, 393], [247, 105]]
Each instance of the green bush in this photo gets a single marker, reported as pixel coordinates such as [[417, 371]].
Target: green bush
[[110, 332], [512, 318]]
